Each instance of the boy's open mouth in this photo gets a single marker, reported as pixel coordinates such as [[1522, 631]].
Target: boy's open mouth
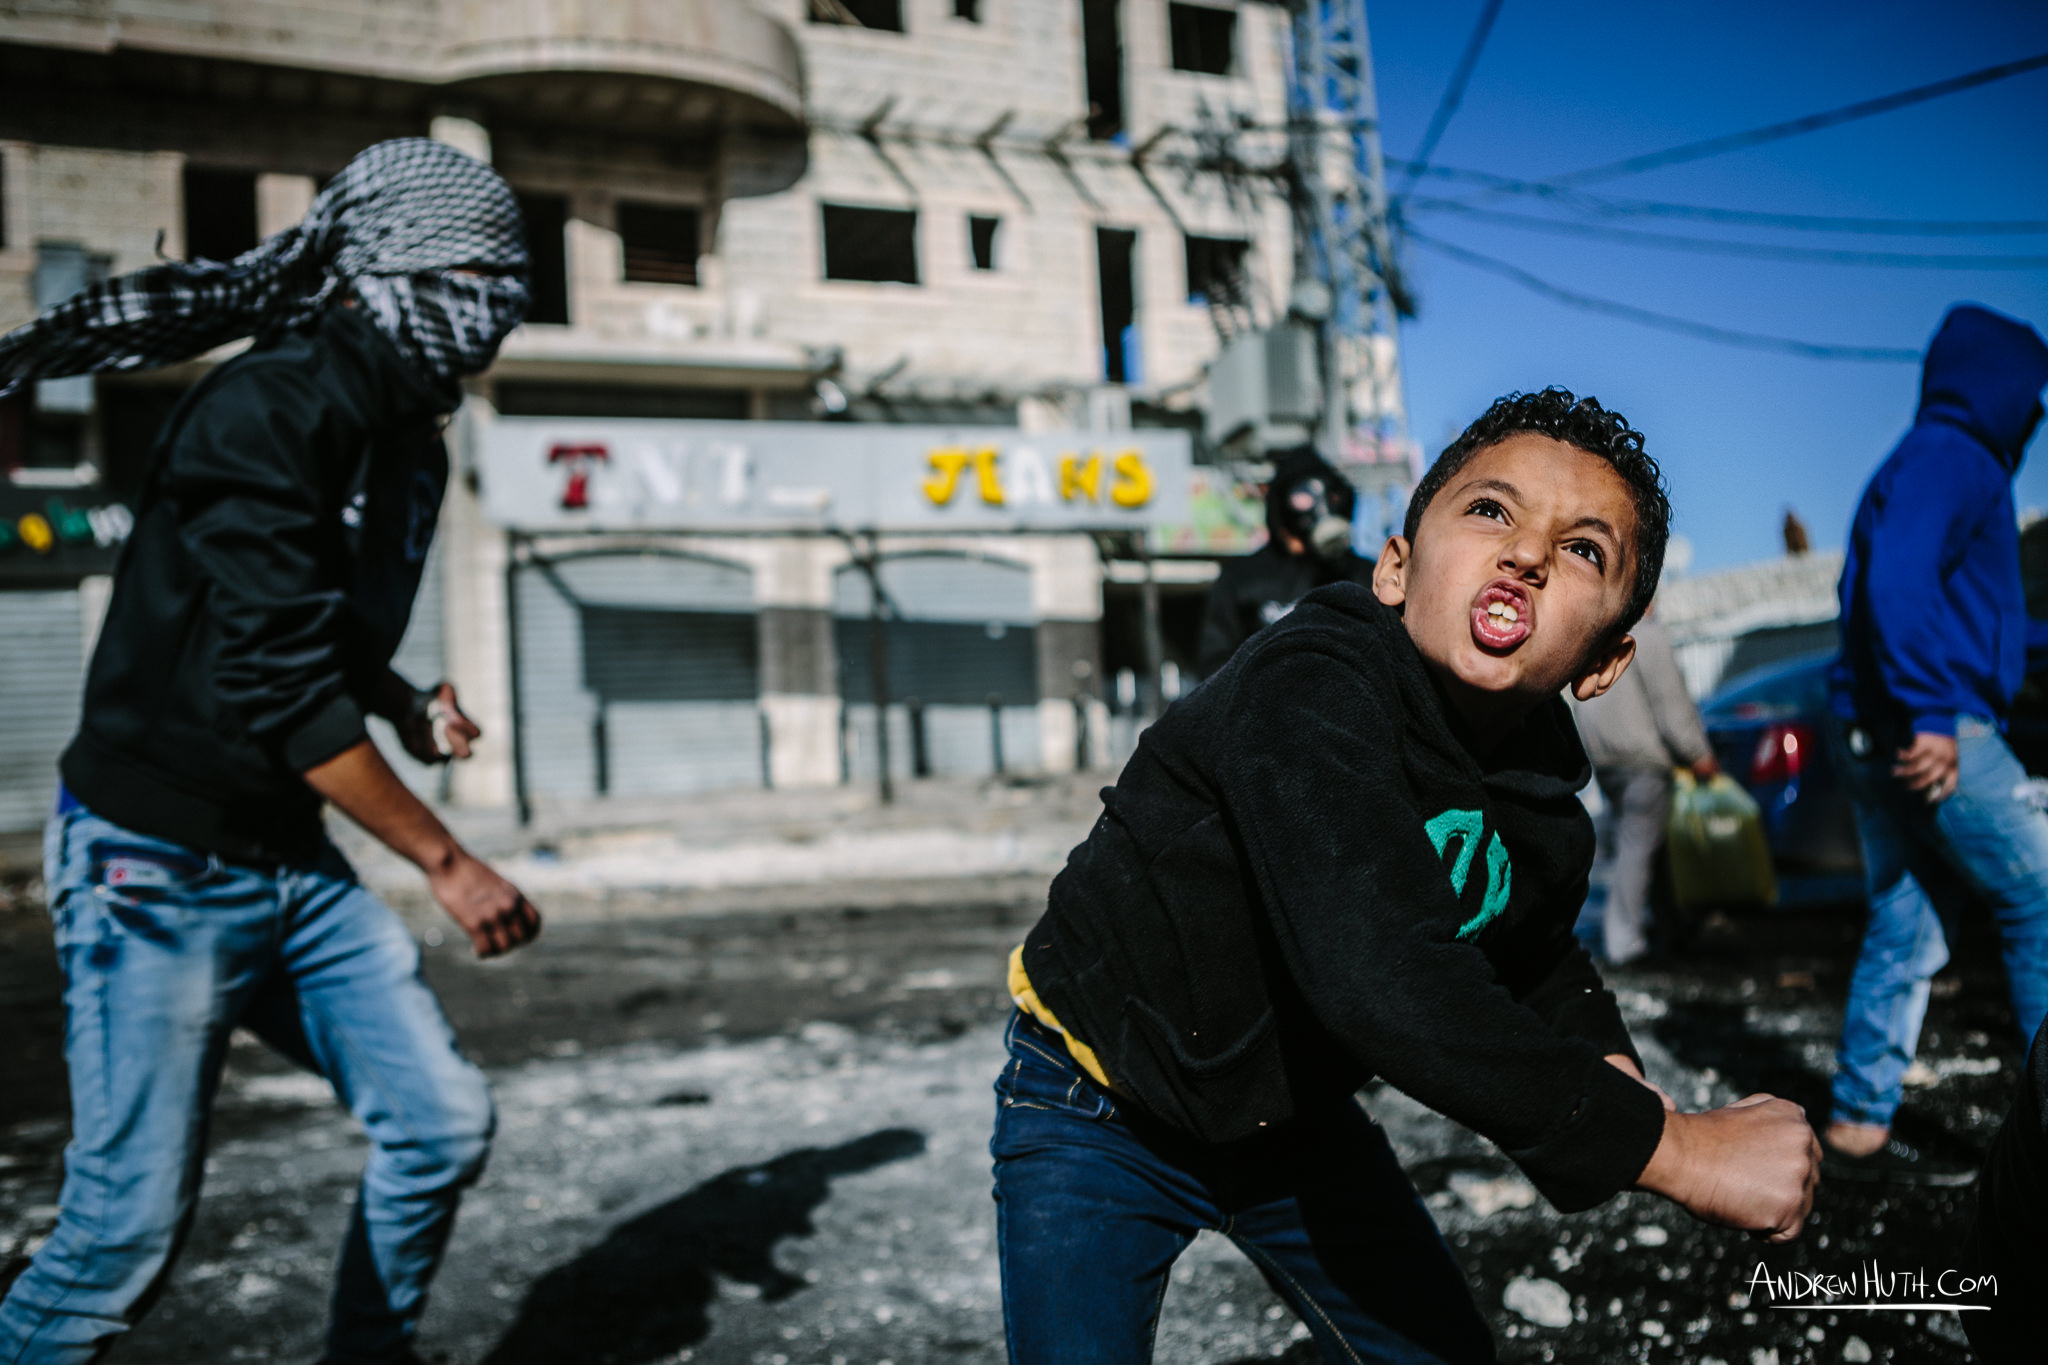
[[1502, 616]]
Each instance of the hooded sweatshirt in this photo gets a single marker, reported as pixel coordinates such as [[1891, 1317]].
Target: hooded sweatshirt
[[1934, 621], [1255, 590], [1646, 722], [1304, 877]]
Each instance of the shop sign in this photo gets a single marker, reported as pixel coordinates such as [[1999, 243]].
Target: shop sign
[[47, 536], [570, 474]]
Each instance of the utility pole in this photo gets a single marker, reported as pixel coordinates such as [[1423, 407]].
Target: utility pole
[[1343, 251], [880, 611], [1152, 696]]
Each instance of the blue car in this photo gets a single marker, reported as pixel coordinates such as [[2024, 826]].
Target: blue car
[[1769, 729]]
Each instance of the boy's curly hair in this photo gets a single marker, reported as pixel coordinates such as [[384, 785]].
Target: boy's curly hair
[[1583, 423]]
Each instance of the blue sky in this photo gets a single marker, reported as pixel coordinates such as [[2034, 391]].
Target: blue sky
[[1741, 434]]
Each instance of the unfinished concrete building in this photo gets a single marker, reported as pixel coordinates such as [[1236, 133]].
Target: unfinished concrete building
[[1015, 217]]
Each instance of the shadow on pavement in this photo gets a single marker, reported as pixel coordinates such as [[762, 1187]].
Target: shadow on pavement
[[641, 1293]]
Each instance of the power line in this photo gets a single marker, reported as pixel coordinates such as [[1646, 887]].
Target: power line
[[1777, 132], [1725, 336], [1454, 94], [1710, 246], [1603, 206], [1578, 200]]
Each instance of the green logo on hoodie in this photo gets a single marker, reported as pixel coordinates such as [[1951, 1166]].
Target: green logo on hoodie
[[1465, 826]]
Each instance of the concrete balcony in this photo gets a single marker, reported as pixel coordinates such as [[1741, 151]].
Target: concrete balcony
[[624, 64], [660, 66]]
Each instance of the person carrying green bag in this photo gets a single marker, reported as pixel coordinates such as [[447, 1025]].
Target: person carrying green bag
[[1636, 733], [1718, 852]]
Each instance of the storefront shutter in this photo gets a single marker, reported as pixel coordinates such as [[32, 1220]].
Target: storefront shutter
[[639, 674], [42, 672], [962, 657]]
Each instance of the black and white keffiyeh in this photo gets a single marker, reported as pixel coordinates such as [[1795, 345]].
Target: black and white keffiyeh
[[427, 238]]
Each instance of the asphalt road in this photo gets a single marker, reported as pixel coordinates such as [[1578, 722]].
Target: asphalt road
[[760, 1136]]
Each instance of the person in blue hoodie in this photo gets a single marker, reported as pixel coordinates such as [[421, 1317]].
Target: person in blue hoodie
[[1935, 642]]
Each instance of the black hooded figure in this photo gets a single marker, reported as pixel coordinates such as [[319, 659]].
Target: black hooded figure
[[1308, 544]]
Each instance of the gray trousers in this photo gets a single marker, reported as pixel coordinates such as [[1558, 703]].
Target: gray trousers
[[1638, 804]]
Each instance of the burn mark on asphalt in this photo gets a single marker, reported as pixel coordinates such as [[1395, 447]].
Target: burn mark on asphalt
[[685, 1097]]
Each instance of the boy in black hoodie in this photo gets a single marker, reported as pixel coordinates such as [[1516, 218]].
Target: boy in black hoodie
[[1356, 851]]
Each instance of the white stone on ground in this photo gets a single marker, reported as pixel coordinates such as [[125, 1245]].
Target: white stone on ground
[[1543, 1302]]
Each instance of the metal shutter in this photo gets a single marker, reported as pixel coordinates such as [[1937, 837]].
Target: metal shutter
[[639, 674], [965, 636], [42, 672]]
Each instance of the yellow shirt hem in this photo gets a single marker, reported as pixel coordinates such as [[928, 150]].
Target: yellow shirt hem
[[1026, 999]]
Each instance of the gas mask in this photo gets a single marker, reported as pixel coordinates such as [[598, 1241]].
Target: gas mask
[[1310, 519]]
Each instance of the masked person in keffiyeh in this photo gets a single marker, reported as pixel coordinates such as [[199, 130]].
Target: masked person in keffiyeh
[[427, 238], [279, 540]]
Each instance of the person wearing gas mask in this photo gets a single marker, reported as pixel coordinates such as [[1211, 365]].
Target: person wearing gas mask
[[1308, 545], [278, 544]]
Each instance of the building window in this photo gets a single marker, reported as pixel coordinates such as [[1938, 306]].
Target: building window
[[1102, 68], [970, 10], [547, 219], [220, 213], [981, 240], [660, 243], [886, 15], [870, 244], [1114, 248], [1215, 269], [55, 433], [1204, 38]]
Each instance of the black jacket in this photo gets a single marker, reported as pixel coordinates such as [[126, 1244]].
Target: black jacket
[[1304, 878], [1253, 591], [278, 544]]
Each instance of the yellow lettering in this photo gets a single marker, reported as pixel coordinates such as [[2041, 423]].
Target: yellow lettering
[[945, 479], [1080, 476], [985, 468], [36, 533], [1134, 481]]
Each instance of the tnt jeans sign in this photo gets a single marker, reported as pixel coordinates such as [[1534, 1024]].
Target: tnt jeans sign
[[578, 474]]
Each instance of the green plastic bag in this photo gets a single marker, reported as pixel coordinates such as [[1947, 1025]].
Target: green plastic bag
[[1716, 845]]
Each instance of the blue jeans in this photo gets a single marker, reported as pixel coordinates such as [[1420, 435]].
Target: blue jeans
[[1094, 1203], [165, 950], [1987, 844]]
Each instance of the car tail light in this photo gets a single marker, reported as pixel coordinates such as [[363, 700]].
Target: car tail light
[[1782, 752]]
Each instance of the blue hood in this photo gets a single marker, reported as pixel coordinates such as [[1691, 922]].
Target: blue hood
[[1934, 617], [1984, 373]]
